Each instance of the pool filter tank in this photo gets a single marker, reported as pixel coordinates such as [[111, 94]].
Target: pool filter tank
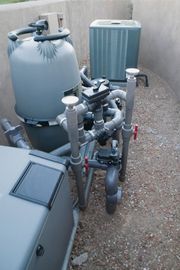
[[43, 68]]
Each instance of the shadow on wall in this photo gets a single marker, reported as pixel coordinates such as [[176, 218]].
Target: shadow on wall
[[160, 38]]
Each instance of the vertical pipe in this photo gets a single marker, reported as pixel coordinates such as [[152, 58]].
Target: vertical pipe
[[81, 129], [127, 129], [76, 159], [98, 118]]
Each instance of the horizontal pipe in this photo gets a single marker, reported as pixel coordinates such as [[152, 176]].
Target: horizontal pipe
[[81, 109], [62, 151], [13, 134], [118, 93], [97, 165], [62, 121]]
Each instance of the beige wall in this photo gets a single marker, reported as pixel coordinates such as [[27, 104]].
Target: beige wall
[[160, 39], [78, 14]]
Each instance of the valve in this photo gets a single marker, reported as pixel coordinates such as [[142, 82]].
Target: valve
[[86, 165], [135, 132], [40, 26]]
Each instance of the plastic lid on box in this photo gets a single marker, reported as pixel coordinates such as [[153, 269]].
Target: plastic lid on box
[[38, 184]]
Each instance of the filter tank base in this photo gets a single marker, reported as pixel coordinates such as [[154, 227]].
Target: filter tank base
[[46, 138]]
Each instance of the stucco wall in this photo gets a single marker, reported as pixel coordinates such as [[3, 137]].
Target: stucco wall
[[78, 14], [160, 39]]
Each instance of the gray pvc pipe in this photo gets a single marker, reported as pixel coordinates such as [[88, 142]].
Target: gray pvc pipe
[[90, 174], [87, 82], [81, 109], [131, 85], [112, 103], [98, 119], [111, 181], [116, 121], [76, 160], [62, 121], [116, 94], [127, 127], [14, 135], [81, 129], [62, 151], [109, 112], [97, 165], [72, 125]]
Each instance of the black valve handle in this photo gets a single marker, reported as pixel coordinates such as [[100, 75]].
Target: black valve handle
[[62, 34], [40, 25]]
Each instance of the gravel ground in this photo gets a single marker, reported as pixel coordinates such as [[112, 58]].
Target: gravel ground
[[144, 231]]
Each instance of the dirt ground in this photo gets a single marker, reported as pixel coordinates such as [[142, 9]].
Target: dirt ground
[[144, 232]]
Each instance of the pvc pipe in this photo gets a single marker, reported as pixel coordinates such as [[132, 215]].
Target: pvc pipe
[[13, 134], [127, 129], [62, 121], [81, 129], [111, 180], [76, 159], [116, 121], [116, 94], [108, 126], [112, 103], [86, 81], [131, 86], [90, 174], [98, 118], [62, 151], [97, 165]]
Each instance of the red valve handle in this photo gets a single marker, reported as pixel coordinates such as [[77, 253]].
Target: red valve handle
[[86, 165], [135, 131]]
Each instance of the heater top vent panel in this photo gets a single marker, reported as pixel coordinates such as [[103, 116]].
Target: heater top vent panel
[[115, 24], [114, 47]]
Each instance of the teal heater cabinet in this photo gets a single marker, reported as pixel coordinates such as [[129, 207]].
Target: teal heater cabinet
[[114, 46]]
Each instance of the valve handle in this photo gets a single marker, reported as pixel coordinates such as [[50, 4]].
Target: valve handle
[[135, 131], [40, 25], [63, 33], [86, 165]]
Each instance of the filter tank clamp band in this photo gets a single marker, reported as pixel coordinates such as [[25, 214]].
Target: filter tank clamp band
[[38, 123]]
